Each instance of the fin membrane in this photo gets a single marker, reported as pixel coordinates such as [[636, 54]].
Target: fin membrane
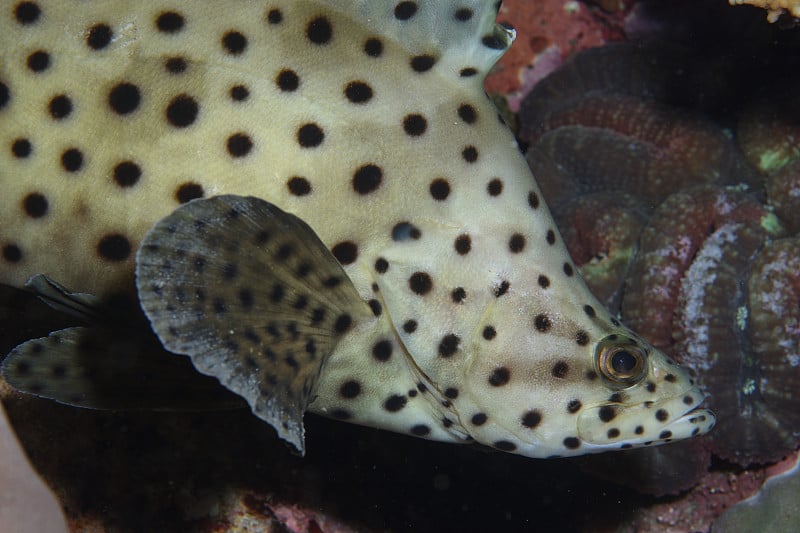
[[252, 295], [105, 368]]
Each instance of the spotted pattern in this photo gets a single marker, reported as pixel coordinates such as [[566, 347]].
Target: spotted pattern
[[384, 147]]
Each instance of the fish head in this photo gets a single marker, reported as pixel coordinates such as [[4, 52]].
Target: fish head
[[570, 380]]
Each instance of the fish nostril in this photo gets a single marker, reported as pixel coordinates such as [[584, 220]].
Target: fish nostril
[[404, 231]]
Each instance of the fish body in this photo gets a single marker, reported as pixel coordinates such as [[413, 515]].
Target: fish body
[[317, 203]]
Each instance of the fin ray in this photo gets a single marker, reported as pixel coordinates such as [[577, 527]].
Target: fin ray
[[253, 296]]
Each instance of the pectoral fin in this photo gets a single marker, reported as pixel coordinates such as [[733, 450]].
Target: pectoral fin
[[252, 296]]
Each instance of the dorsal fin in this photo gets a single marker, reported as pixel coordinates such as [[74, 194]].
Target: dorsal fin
[[461, 35]]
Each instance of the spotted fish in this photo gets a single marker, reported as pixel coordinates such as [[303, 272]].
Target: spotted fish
[[318, 205]]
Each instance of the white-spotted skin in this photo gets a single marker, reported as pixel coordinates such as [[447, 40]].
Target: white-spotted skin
[[366, 119]]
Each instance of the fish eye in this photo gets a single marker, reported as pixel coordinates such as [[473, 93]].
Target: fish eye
[[620, 360]]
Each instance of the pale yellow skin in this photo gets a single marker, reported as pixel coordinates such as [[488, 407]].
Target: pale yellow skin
[[463, 143]]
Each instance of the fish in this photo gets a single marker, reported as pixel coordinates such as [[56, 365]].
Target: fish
[[316, 205]]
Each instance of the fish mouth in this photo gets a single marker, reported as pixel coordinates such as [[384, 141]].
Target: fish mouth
[[651, 422]]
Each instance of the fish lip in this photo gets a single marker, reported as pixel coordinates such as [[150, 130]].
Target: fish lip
[[684, 420]]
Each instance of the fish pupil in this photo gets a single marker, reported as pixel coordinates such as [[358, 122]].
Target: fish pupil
[[623, 362]]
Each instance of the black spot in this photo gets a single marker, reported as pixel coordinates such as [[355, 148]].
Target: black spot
[[239, 93], [495, 187], [189, 191], [688, 400], [21, 148], [182, 111], [332, 281], [38, 61], [617, 397], [12, 253], [403, 231], [551, 237], [175, 65], [239, 144], [665, 434], [463, 14], [467, 113], [470, 154], [127, 174], [277, 294], [544, 281], [607, 413], [410, 326], [319, 31], [501, 289], [170, 22], [651, 387], [499, 376], [422, 63], [468, 72], [615, 322], [589, 310], [229, 271], [72, 160], [246, 299], [27, 12], [5, 95], [35, 205], [463, 244], [114, 247], [448, 346], [560, 369], [639, 430], [358, 92], [375, 306], [572, 443], [440, 189], [479, 419], [381, 265], [662, 415], [574, 406], [613, 433], [373, 47], [234, 42], [405, 10], [287, 80], [420, 430], [340, 414], [367, 179], [342, 323], [310, 135], [582, 338], [533, 200], [531, 419], [671, 378], [298, 186], [420, 283], [490, 41], [394, 403], [350, 389], [60, 107], [568, 270], [516, 243], [275, 16], [345, 252], [542, 323], [458, 295], [317, 315], [506, 446], [446, 422], [99, 36], [415, 124], [451, 392], [124, 98]]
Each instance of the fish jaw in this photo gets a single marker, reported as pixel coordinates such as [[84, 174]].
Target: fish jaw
[[663, 406]]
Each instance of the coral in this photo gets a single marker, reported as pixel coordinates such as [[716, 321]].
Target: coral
[[776, 507], [783, 194], [26, 504], [768, 130], [669, 243], [775, 8], [601, 231]]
